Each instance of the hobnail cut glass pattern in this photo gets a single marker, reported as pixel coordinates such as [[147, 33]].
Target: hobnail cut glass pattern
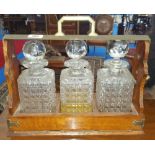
[[76, 90], [77, 81], [36, 84], [114, 90], [37, 91]]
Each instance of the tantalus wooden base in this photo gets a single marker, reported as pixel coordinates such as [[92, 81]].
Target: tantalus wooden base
[[72, 129], [74, 125], [147, 133]]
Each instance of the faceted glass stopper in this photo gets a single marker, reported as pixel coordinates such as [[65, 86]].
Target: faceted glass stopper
[[34, 52], [76, 49], [118, 49]]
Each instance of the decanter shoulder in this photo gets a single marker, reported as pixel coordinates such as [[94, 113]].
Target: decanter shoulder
[[24, 74], [122, 75], [82, 73], [64, 72], [45, 73], [50, 72], [102, 72], [128, 76]]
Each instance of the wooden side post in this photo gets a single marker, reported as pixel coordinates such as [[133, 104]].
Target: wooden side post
[[12, 72], [140, 73]]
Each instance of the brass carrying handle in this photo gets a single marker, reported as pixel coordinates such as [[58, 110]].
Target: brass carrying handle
[[76, 18]]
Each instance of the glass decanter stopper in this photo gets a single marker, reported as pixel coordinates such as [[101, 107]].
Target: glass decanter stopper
[[76, 81], [115, 84], [36, 84], [117, 49]]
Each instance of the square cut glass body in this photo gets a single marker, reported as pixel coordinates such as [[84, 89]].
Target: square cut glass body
[[76, 90], [37, 91], [114, 90]]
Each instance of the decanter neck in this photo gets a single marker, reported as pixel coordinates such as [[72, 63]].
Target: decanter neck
[[35, 67], [115, 71], [76, 66], [116, 63]]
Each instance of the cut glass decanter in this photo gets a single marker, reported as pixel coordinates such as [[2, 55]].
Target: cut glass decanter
[[36, 84], [76, 81], [115, 84]]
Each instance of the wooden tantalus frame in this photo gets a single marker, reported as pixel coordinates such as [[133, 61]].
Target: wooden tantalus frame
[[83, 125]]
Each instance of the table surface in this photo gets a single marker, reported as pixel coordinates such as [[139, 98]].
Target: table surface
[[149, 128]]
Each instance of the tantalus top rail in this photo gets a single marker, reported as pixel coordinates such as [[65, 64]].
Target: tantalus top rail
[[77, 37]]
